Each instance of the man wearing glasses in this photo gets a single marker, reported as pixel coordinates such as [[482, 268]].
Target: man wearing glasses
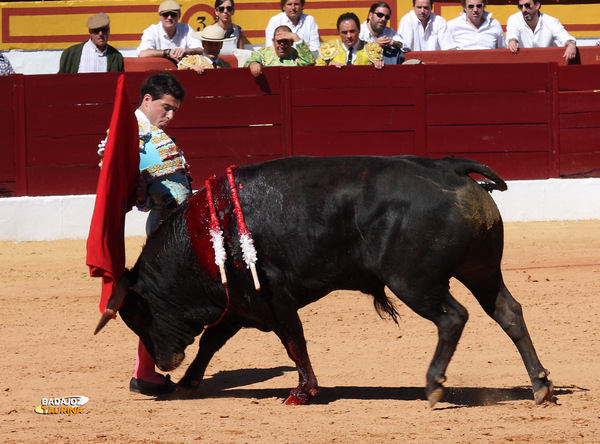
[[375, 30], [530, 28], [169, 38], [422, 30], [95, 54], [475, 28]]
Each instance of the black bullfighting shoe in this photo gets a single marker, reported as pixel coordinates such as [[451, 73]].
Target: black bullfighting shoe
[[151, 389]]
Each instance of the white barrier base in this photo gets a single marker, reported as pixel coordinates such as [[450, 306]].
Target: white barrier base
[[68, 217]]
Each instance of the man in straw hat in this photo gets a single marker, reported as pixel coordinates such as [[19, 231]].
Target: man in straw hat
[[95, 54], [169, 38], [212, 38]]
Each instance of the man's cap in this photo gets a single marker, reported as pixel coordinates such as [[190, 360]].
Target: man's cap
[[98, 21], [212, 33], [169, 6]]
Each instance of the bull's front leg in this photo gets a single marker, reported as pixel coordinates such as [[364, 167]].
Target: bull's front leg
[[210, 342], [291, 334]]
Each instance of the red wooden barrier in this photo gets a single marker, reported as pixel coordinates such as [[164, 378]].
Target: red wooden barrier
[[527, 121], [586, 55], [579, 125]]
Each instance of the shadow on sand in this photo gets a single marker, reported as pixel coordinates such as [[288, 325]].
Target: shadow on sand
[[229, 384]]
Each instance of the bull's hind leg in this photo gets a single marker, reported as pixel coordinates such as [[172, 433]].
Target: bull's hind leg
[[210, 342], [450, 318], [507, 312]]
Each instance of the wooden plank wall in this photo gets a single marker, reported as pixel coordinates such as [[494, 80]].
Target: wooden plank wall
[[8, 133], [579, 125], [501, 117], [527, 121], [358, 111]]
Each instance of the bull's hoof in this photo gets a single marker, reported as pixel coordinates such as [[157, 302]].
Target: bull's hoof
[[299, 397], [544, 393], [435, 396], [185, 391]]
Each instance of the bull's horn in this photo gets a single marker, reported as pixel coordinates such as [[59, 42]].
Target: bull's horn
[[106, 316], [114, 304]]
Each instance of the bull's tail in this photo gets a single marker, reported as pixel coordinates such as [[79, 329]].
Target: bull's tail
[[464, 167], [383, 305]]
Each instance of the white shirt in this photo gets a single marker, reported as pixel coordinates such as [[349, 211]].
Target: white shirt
[[366, 36], [306, 29], [488, 36], [155, 37], [354, 48], [230, 45], [92, 59], [548, 32], [434, 37]]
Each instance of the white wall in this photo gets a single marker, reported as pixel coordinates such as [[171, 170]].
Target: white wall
[[68, 217]]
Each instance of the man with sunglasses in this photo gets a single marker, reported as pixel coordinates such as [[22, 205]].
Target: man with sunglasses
[[530, 28], [422, 30], [95, 54], [169, 38], [475, 28], [375, 30]]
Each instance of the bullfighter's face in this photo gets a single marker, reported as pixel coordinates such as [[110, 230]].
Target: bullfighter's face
[[349, 32], [160, 111], [283, 46], [212, 49]]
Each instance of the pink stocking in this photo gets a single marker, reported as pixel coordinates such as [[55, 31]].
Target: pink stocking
[[144, 367]]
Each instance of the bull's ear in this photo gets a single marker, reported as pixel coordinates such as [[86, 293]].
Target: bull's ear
[[114, 303]]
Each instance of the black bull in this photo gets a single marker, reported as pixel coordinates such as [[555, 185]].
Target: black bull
[[318, 225]]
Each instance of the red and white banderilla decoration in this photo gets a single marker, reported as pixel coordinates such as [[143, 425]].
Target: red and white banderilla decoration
[[216, 234], [246, 242]]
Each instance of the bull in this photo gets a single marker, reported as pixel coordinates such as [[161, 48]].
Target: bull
[[322, 224]]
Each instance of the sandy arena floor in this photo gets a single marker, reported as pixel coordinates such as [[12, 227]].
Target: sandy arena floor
[[371, 372]]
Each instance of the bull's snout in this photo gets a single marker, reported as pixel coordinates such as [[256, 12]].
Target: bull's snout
[[166, 365]]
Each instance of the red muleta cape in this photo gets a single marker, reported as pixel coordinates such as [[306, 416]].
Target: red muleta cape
[[114, 196]]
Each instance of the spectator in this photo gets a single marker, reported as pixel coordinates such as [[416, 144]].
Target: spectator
[[532, 29], [168, 38], [475, 28], [95, 54], [6, 68], [224, 10], [281, 53], [212, 38], [375, 30], [422, 30], [348, 49], [303, 25]]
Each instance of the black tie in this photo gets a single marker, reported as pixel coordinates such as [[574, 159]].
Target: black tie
[[214, 64], [349, 61]]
